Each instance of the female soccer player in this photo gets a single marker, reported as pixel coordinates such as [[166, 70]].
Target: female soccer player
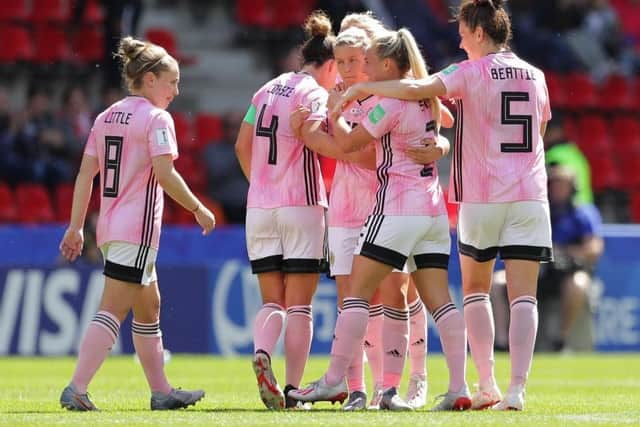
[[285, 208], [408, 224], [499, 179], [132, 145]]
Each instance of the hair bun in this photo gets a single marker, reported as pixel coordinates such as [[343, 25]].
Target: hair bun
[[131, 48], [318, 24]]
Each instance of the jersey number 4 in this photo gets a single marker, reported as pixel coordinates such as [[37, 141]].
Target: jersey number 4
[[112, 157], [516, 119], [269, 132]]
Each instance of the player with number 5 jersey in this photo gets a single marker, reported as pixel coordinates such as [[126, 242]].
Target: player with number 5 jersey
[[132, 146], [499, 179], [285, 225]]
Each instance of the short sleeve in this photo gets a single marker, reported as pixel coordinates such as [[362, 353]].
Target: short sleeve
[[316, 101], [454, 78], [161, 136], [90, 148], [383, 117]]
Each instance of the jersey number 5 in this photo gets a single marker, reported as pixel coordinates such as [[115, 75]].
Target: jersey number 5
[[112, 157], [269, 132], [516, 119]]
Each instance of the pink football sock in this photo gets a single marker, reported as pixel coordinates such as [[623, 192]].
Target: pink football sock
[[297, 342], [267, 327], [147, 340], [478, 316], [418, 338], [395, 340], [101, 335], [522, 337], [453, 337]]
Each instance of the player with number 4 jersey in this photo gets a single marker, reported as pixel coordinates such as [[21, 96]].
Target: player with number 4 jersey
[[285, 226]]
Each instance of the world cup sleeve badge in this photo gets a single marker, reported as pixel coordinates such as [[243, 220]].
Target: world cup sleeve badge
[[315, 106]]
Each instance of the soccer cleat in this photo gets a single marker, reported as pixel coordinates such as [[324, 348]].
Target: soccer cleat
[[291, 403], [485, 398], [74, 401], [513, 400], [374, 405], [175, 399], [449, 401], [270, 393], [357, 401], [391, 401], [320, 391], [417, 392]]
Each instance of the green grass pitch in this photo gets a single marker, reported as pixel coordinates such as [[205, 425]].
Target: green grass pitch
[[565, 390]]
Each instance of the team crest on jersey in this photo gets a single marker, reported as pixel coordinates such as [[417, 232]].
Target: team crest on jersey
[[150, 268], [450, 69], [332, 258], [315, 106], [357, 111], [162, 136]]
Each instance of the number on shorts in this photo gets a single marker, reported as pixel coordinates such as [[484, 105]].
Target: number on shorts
[[269, 132], [112, 157], [525, 120]]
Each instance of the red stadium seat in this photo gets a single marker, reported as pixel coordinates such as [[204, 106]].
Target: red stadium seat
[[45, 11], [63, 202], [192, 170], [616, 94], [208, 129], [51, 45], [604, 174], [593, 136], [14, 10], [629, 166], [8, 210], [556, 88], [93, 13], [167, 40], [88, 45], [184, 133], [625, 132], [17, 45], [571, 129], [580, 91], [252, 12], [34, 205]]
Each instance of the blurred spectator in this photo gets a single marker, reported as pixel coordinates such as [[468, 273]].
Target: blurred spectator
[[577, 246], [561, 151], [438, 38], [538, 27], [7, 155], [227, 184], [41, 149], [121, 17], [76, 119]]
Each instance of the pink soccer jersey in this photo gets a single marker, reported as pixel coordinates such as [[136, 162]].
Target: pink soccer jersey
[[283, 171], [353, 188], [498, 151], [404, 187], [124, 138]]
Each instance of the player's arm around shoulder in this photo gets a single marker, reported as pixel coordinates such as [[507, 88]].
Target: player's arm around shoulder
[[174, 185]]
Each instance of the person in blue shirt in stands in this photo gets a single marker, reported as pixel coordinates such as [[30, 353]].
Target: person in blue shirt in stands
[[577, 246]]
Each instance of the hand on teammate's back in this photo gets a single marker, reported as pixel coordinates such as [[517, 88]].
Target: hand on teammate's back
[[426, 153], [71, 244], [297, 118], [205, 219]]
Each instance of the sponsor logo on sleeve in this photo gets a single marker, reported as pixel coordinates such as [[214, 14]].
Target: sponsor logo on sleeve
[[376, 114], [450, 69]]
